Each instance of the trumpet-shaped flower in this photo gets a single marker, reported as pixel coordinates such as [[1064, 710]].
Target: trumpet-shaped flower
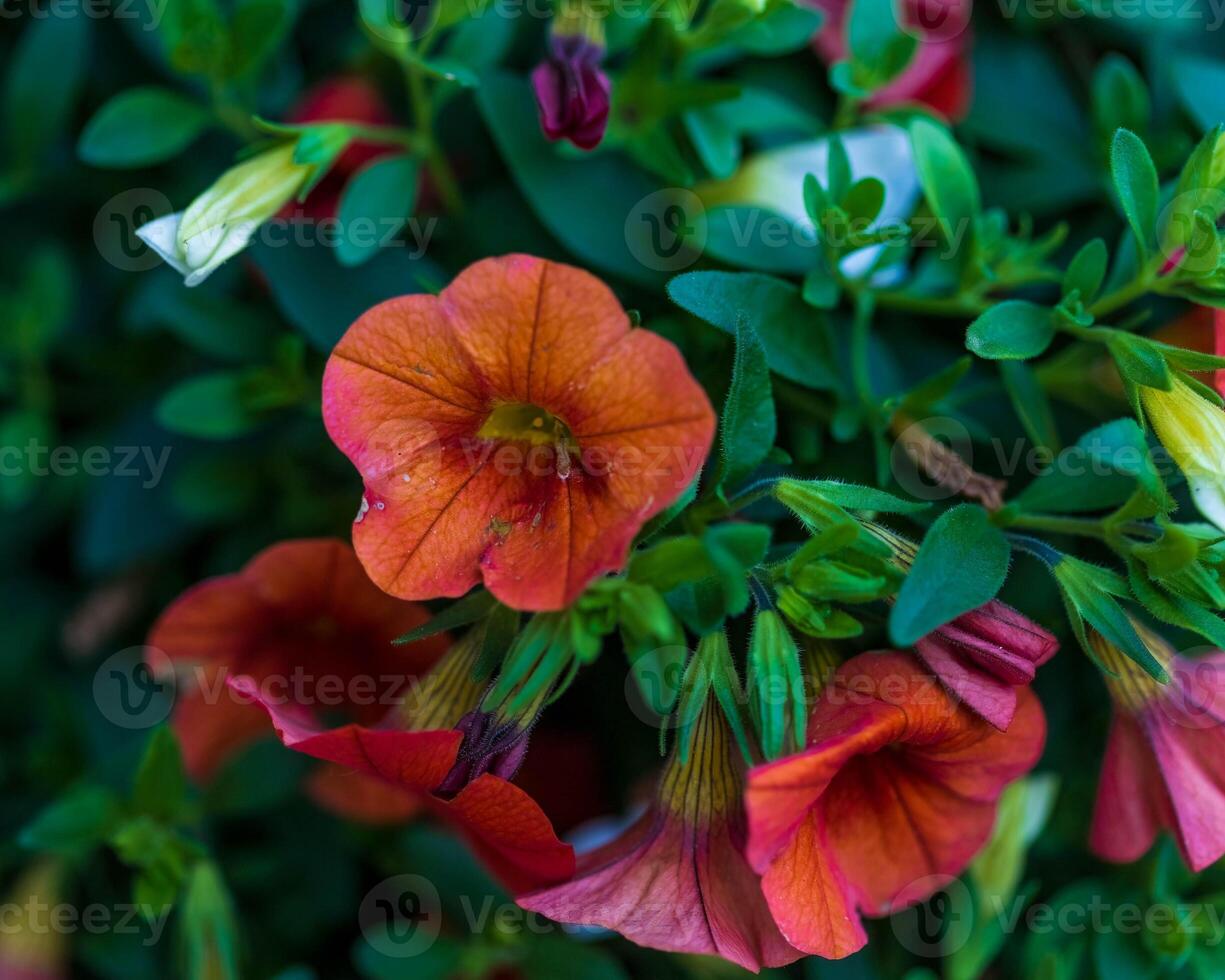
[[1164, 766], [678, 879], [305, 618], [898, 783], [1192, 430], [220, 223], [439, 752], [516, 429]]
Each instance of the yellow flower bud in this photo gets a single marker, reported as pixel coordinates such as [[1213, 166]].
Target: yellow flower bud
[[1193, 433]]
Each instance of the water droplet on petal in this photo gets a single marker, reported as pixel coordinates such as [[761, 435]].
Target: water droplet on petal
[[361, 510]]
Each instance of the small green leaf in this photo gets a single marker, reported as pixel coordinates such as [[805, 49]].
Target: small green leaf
[[377, 201], [1135, 181], [141, 126], [748, 425], [960, 565], [1031, 404], [1013, 330], [1087, 270], [1140, 361], [948, 182], [79, 820], [160, 788], [475, 605], [210, 406]]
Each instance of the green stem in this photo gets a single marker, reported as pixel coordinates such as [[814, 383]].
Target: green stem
[[440, 170], [865, 305], [1055, 524], [956, 306]]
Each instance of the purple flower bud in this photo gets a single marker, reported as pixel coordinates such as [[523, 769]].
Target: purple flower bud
[[572, 91]]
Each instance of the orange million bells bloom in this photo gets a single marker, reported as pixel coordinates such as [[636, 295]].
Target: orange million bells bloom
[[301, 632], [896, 790], [515, 429]]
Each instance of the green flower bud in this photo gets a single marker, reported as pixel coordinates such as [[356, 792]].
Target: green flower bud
[[776, 686]]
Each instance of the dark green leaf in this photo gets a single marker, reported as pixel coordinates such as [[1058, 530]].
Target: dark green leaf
[[961, 564], [475, 605], [1013, 330], [794, 335], [1135, 182], [748, 425], [141, 126], [377, 201]]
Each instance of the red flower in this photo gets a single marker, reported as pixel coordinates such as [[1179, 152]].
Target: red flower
[[898, 783], [301, 614], [983, 656], [516, 428], [678, 880], [1164, 766], [437, 752], [939, 74]]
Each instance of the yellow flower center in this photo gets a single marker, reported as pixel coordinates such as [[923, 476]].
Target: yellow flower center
[[520, 422]]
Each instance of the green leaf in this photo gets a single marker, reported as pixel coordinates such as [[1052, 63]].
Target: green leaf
[[748, 425], [960, 565], [1013, 330], [1031, 404], [46, 69], [140, 127], [1139, 361], [1087, 270], [794, 335], [948, 182], [257, 28], [475, 605], [1200, 82], [210, 406], [879, 47], [1120, 97], [607, 231], [160, 788], [79, 820], [377, 201], [1135, 181], [852, 496]]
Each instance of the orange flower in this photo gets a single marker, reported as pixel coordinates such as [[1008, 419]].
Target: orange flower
[[515, 429], [304, 616], [898, 787], [301, 632]]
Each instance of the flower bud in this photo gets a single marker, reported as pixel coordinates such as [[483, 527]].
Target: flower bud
[[220, 222], [1193, 432], [572, 92], [776, 686]]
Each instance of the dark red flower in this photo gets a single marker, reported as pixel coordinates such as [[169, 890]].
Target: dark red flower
[[572, 92]]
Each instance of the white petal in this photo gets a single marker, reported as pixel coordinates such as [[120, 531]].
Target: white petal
[[1208, 493], [225, 243], [161, 235]]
